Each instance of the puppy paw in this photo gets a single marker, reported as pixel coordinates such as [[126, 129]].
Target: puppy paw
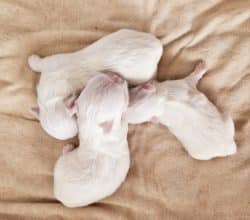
[[67, 148], [35, 63]]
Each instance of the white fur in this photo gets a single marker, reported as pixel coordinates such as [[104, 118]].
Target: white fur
[[203, 131], [100, 164], [132, 54]]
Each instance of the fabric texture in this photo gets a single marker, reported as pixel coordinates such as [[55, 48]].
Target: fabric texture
[[163, 181]]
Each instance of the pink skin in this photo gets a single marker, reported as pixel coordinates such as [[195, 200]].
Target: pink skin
[[67, 148], [106, 126]]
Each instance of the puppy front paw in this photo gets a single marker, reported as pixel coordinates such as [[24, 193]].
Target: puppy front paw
[[68, 148]]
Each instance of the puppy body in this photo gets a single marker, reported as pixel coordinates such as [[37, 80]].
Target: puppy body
[[100, 164], [132, 54], [203, 131]]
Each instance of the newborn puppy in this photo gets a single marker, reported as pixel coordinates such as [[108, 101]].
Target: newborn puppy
[[132, 54], [100, 164], [203, 131]]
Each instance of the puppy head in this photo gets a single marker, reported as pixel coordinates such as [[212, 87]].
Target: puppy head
[[143, 103], [56, 120], [102, 103]]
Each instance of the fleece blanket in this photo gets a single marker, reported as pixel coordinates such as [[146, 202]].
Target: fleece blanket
[[163, 181]]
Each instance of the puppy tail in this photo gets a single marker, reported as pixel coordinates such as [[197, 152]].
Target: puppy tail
[[197, 74], [35, 63], [232, 146]]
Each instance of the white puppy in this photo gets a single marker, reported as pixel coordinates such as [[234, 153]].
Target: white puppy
[[204, 131], [132, 54], [100, 164]]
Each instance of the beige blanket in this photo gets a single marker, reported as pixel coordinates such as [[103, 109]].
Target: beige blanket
[[163, 181]]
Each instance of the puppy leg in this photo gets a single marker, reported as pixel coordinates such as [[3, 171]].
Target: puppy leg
[[35, 63]]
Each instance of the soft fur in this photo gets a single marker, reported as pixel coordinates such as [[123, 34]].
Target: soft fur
[[132, 54], [100, 164], [204, 131]]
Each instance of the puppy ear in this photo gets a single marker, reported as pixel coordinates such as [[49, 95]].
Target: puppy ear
[[149, 87], [71, 105], [35, 111], [106, 126]]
